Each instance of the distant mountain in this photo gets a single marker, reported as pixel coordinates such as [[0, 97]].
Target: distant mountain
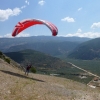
[[7, 43], [87, 51], [55, 46], [51, 48]]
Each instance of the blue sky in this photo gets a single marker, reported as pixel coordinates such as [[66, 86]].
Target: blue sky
[[72, 17]]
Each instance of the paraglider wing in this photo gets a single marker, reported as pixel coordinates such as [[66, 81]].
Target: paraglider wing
[[22, 25]]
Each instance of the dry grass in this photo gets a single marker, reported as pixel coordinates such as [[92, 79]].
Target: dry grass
[[14, 85]]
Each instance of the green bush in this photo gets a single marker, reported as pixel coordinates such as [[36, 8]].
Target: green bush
[[7, 60], [1, 53], [33, 70], [4, 58]]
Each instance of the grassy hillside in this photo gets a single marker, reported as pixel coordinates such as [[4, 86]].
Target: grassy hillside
[[46, 64], [89, 65], [36, 58], [8, 60], [87, 51], [14, 85]]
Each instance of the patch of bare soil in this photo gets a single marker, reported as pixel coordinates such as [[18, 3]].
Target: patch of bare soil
[[14, 85]]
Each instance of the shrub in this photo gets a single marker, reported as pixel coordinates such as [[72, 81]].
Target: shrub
[[1, 53], [7, 60], [33, 70]]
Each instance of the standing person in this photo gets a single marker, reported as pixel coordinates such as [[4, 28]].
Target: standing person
[[27, 69]]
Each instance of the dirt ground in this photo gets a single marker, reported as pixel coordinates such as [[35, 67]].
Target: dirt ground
[[14, 85]]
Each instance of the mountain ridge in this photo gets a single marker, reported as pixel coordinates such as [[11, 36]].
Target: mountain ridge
[[36, 58], [55, 46], [87, 51]]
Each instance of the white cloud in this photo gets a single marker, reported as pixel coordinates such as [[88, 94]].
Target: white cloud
[[22, 34], [23, 7], [79, 30], [87, 34], [7, 35], [5, 14], [68, 19], [41, 2], [16, 11], [95, 25], [27, 2], [0, 36], [79, 9]]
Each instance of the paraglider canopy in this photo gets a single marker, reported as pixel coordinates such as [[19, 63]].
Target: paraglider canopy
[[22, 25]]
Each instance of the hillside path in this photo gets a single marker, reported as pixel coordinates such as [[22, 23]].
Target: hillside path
[[84, 70], [14, 85]]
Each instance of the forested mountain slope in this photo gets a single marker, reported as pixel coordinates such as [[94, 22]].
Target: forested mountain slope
[[87, 51]]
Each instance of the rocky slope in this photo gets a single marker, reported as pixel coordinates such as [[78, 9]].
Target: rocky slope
[[14, 85]]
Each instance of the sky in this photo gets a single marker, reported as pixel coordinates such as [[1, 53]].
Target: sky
[[72, 17]]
